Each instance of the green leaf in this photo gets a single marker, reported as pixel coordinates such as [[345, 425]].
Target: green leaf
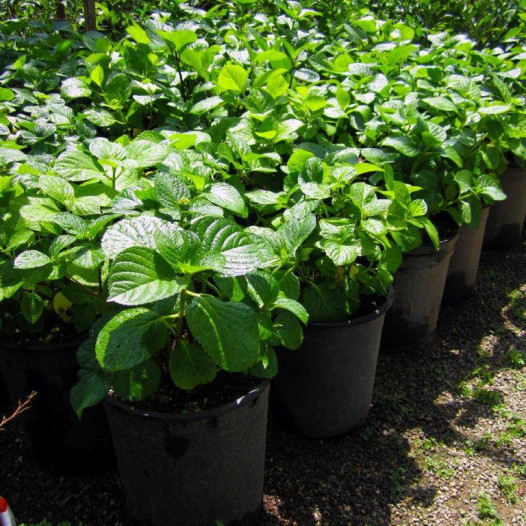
[[324, 304], [137, 383], [293, 306], [374, 227], [117, 90], [135, 232], [226, 196], [339, 253], [170, 189], [277, 59], [495, 109], [418, 208], [403, 144], [129, 339], [263, 288], [296, 230], [76, 166], [91, 389], [31, 259], [146, 153], [288, 330], [179, 39], [97, 75], [242, 252], [74, 88], [6, 94], [190, 366], [440, 103], [227, 331], [298, 160], [431, 231], [140, 275], [104, 149], [138, 34], [232, 78], [32, 307], [206, 105]]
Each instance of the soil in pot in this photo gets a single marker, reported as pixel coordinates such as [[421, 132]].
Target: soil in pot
[[506, 218], [57, 439], [325, 387], [419, 287], [464, 263], [197, 465]]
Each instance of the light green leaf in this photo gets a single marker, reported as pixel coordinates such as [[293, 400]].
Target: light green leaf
[[74, 165], [232, 78], [226, 196], [140, 275], [74, 88], [170, 189], [31, 259], [206, 105]]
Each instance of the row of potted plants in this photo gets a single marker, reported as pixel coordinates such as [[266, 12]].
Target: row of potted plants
[[197, 196]]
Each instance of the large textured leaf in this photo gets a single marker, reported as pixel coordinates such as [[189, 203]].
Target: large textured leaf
[[76, 166], [129, 339], [226, 196], [117, 90], [135, 232], [243, 253], [227, 331], [146, 153], [170, 189], [295, 231], [139, 275], [190, 366]]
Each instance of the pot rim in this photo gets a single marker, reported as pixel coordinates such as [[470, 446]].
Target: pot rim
[[353, 322], [192, 417], [45, 347], [428, 249]]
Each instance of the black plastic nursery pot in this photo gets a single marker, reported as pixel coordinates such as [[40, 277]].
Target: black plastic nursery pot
[[57, 439], [464, 263], [192, 469], [419, 287], [325, 387], [506, 218]]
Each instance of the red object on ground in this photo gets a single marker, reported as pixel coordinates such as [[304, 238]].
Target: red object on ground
[[3, 505]]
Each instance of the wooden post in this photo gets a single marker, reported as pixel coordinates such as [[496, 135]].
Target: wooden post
[[90, 15], [61, 10]]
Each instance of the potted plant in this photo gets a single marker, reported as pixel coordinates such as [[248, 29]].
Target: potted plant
[[50, 293], [183, 365], [339, 241]]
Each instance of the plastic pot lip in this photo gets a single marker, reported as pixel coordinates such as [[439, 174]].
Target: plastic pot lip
[[43, 347], [125, 407], [353, 322], [429, 249]]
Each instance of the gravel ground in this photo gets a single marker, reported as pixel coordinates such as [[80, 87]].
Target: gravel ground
[[445, 443]]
